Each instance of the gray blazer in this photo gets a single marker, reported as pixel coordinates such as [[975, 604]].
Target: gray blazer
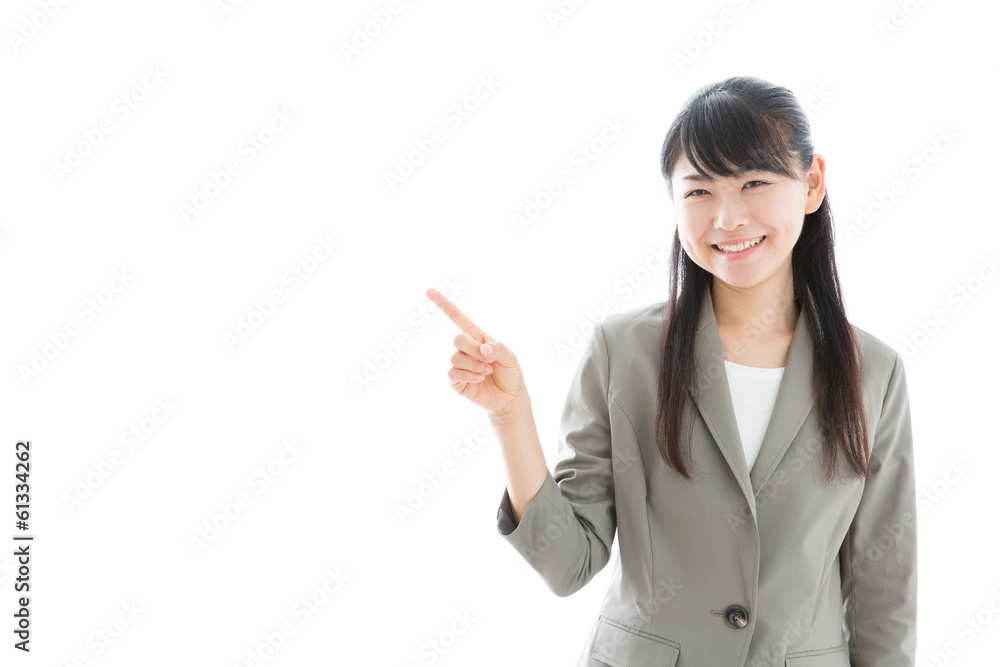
[[739, 567]]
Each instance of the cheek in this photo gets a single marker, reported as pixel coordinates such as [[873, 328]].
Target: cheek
[[692, 246], [770, 209], [690, 228], [686, 235], [783, 212]]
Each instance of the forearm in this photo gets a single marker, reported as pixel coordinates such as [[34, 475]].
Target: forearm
[[522, 453]]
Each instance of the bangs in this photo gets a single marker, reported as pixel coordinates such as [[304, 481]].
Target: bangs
[[725, 135]]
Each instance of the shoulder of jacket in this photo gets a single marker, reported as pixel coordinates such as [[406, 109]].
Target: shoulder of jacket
[[641, 319], [878, 358]]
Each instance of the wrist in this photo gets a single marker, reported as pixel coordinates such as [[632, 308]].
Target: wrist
[[515, 411]]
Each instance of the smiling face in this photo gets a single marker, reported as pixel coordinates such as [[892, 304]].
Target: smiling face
[[758, 207]]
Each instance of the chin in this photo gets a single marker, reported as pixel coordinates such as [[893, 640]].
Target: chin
[[742, 282]]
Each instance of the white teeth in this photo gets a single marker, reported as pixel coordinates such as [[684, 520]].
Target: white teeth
[[741, 246]]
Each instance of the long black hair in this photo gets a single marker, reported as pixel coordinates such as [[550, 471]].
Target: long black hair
[[723, 129]]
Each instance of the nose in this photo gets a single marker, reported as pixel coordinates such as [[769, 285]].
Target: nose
[[731, 214]]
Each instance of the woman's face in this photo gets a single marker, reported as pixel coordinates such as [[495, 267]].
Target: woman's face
[[732, 211]]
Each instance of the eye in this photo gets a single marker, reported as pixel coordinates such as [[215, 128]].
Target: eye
[[695, 192]]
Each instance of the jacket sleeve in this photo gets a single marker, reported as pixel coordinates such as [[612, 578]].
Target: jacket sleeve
[[567, 529], [878, 559]]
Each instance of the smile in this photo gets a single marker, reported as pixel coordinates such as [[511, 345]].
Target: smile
[[739, 247]]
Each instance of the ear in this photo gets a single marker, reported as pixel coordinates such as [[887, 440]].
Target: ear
[[816, 180]]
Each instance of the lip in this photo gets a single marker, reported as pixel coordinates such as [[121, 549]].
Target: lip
[[741, 253]]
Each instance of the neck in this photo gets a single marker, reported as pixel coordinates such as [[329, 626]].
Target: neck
[[767, 309]]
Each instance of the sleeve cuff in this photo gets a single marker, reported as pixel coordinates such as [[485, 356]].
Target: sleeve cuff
[[505, 516]]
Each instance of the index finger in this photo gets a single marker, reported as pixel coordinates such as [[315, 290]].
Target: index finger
[[460, 319]]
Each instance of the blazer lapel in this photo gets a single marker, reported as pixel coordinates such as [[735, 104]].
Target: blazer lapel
[[714, 400], [794, 401]]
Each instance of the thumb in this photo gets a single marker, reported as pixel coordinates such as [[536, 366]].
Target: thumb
[[495, 351]]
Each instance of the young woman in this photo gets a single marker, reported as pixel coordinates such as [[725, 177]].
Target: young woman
[[751, 448]]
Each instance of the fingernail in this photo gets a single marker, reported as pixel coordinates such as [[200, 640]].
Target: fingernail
[[487, 349]]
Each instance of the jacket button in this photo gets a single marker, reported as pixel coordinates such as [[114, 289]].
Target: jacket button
[[737, 616]]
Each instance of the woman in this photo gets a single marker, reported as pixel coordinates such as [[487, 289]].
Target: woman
[[751, 447]]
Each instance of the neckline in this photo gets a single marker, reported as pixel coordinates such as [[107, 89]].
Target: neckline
[[755, 369]]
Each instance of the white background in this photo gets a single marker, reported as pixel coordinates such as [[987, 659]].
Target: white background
[[876, 100]]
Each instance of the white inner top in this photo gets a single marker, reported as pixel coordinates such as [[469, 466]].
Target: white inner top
[[754, 391]]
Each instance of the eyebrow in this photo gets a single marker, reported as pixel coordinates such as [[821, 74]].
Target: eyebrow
[[701, 179]]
